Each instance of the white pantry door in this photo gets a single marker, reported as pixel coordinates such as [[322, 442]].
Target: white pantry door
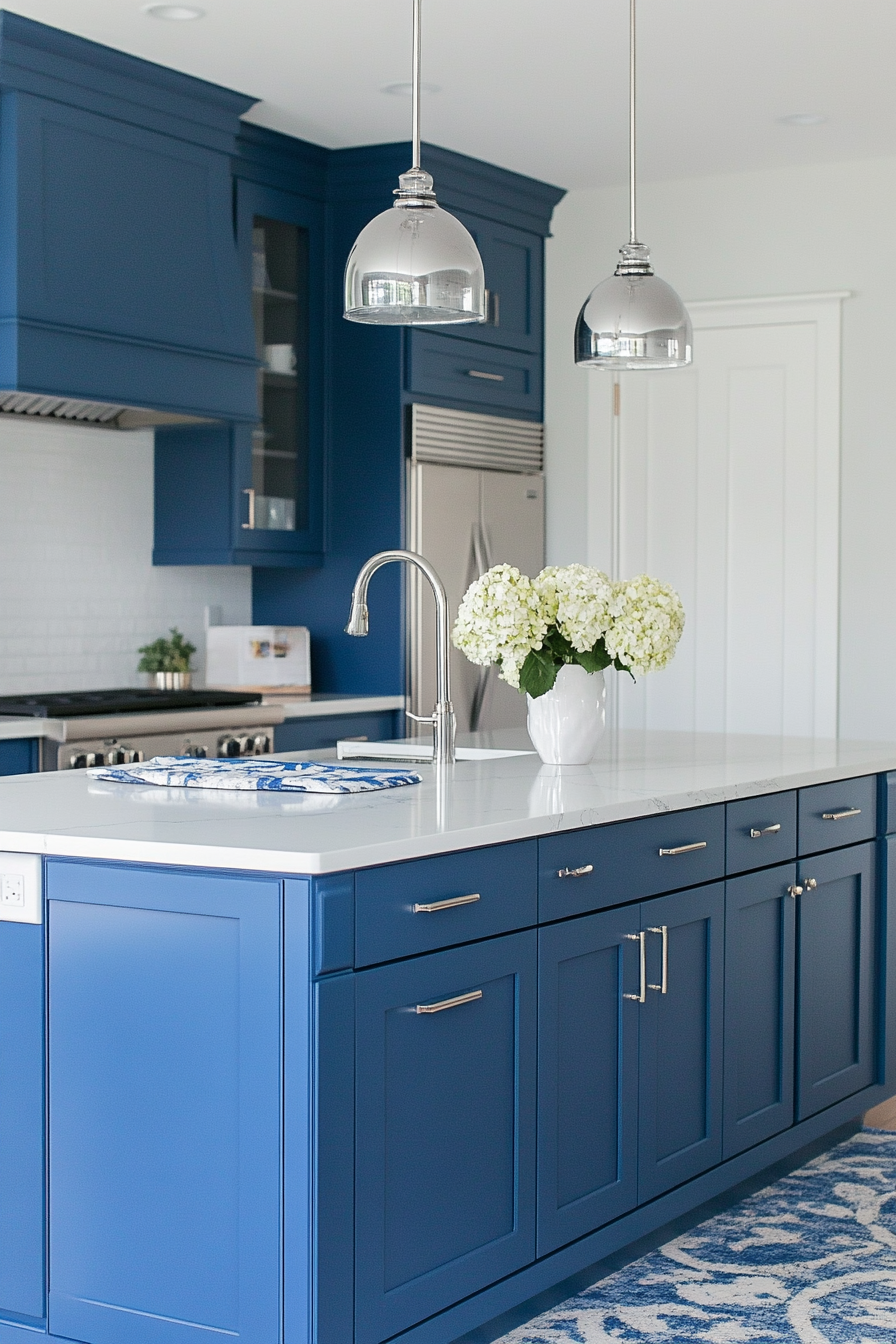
[[723, 479]]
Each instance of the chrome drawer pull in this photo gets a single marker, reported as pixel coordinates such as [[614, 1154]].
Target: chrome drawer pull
[[684, 849], [432, 906], [641, 996], [766, 830], [838, 816], [664, 931], [576, 872], [449, 1003], [492, 377]]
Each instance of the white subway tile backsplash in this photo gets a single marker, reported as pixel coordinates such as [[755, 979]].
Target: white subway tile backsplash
[[78, 590]]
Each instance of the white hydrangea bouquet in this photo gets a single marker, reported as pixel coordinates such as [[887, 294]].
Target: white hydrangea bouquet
[[531, 628]]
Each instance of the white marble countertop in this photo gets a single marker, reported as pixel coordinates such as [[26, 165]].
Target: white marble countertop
[[321, 705], [472, 803]]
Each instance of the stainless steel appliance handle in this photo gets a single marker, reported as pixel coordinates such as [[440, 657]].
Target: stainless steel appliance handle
[[250, 526], [641, 938], [449, 1003], [430, 907]]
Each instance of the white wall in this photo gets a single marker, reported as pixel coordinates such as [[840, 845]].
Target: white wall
[[78, 592], [776, 232]]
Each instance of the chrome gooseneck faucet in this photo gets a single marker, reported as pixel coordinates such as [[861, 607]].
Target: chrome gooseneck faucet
[[442, 718]]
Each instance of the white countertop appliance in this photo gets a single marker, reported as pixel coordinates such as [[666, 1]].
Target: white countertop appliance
[[117, 727]]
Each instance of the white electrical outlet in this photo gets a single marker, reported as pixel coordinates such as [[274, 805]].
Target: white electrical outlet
[[21, 896]]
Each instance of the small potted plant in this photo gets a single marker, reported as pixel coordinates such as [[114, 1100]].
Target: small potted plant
[[168, 662]]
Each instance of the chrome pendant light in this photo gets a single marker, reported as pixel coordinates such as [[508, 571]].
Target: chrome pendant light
[[415, 265], [633, 320]]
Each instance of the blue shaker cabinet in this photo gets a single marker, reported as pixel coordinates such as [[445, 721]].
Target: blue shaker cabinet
[[760, 987], [444, 1123], [252, 494], [836, 973], [587, 1074], [164, 1125], [22, 1200]]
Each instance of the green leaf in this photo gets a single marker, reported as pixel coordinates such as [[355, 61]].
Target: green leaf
[[594, 659], [539, 672]]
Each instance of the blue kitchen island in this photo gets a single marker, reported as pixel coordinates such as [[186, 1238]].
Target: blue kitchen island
[[349, 1069]]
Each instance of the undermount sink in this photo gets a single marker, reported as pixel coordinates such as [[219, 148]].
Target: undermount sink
[[416, 751]]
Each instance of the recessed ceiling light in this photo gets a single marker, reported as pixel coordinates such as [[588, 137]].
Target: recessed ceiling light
[[175, 12], [404, 88], [803, 119]]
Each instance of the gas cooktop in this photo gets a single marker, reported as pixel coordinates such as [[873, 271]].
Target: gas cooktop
[[128, 700]]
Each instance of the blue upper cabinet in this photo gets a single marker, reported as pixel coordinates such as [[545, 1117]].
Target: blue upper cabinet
[[261, 484], [121, 277]]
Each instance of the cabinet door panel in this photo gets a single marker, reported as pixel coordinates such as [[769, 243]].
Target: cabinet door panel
[[445, 1122], [22, 1120], [513, 263], [681, 1040], [760, 929], [837, 992], [164, 1122], [587, 1075]]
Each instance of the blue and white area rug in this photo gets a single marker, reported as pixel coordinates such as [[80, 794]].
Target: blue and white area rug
[[809, 1260]]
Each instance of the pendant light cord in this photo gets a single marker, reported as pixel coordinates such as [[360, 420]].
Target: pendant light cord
[[415, 97], [633, 225]]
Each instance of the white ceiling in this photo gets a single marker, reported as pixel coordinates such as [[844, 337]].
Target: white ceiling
[[540, 85]]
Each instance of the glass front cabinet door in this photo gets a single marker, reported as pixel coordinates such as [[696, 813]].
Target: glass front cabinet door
[[278, 460], [252, 493]]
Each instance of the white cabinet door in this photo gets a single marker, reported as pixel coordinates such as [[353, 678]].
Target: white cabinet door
[[724, 482]]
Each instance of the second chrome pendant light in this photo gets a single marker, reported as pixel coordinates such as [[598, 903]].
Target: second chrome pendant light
[[415, 265], [633, 320]]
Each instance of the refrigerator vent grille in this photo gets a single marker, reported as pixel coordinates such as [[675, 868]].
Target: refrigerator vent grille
[[461, 439]]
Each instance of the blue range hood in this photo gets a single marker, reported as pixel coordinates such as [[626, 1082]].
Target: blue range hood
[[123, 299]]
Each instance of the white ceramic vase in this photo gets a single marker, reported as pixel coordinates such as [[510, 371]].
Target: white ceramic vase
[[567, 722]]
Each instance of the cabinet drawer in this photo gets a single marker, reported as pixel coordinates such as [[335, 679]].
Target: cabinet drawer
[[831, 815], [603, 866], [760, 831], [414, 907], [463, 370]]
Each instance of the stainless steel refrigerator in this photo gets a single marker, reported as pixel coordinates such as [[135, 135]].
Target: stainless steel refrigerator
[[475, 499]]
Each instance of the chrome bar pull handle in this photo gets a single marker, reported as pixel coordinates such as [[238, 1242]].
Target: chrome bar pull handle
[[641, 938], [250, 526], [684, 849], [811, 884], [795, 891], [431, 907], [577, 872], [450, 1003], [663, 930], [490, 377], [766, 830], [838, 816]]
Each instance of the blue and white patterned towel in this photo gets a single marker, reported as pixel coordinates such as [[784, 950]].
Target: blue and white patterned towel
[[259, 773]]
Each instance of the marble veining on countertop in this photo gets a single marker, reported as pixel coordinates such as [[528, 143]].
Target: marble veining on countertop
[[469, 804]]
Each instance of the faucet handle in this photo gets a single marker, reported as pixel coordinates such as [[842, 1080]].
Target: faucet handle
[[419, 718]]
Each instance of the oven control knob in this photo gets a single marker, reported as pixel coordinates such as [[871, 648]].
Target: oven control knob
[[115, 756], [194, 749], [261, 744], [132, 756], [229, 746], [79, 760]]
